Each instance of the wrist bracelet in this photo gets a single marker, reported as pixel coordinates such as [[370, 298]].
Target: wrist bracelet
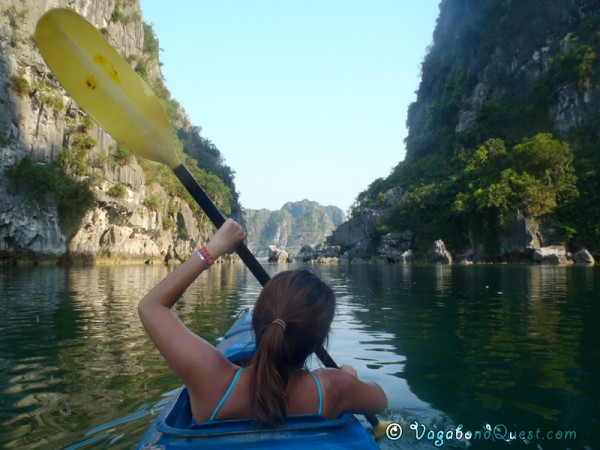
[[204, 255], [207, 256], [199, 255]]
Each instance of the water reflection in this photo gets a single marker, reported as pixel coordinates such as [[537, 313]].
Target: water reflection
[[451, 345], [487, 344], [73, 351]]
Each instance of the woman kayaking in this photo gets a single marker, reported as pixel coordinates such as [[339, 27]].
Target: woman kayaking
[[291, 319]]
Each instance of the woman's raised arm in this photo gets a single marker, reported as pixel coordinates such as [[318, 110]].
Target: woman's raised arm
[[178, 345]]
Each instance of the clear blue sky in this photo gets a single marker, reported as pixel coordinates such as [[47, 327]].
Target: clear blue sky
[[304, 98]]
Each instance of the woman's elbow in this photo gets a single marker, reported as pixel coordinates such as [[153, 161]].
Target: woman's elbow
[[144, 311]]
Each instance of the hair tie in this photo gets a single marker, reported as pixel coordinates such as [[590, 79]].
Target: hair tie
[[280, 322]]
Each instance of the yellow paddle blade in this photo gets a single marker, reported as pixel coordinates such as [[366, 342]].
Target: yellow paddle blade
[[381, 429], [104, 85]]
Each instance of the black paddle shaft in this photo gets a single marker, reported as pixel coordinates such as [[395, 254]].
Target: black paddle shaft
[[217, 218]]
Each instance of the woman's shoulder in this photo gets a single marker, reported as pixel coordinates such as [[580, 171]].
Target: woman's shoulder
[[335, 384], [349, 393], [336, 381], [333, 376]]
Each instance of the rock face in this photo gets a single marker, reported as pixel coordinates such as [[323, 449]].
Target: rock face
[[396, 247], [438, 254], [522, 239], [357, 234], [319, 253], [131, 219], [552, 255], [29, 229], [294, 225], [582, 256], [114, 233], [277, 255], [527, 37], [360, 239]]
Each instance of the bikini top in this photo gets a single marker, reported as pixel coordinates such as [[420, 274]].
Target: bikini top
[[235, 378]]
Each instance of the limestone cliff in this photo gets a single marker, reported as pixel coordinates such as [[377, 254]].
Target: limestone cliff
[[67, 190], [503, 151]]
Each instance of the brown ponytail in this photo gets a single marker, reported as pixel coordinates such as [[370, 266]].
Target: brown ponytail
[[305, 307]]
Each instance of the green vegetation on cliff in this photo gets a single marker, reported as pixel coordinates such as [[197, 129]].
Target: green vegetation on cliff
[[486, 190], [506, 125], [49, 182]]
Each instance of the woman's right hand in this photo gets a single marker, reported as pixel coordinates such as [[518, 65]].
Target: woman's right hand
[[226, 239]]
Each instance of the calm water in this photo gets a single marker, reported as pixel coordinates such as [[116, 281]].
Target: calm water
[[455, 348]]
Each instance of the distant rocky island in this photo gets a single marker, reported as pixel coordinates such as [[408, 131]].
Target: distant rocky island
[[296, 224]]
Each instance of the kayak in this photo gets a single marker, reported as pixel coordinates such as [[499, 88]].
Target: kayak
[[173, 428]]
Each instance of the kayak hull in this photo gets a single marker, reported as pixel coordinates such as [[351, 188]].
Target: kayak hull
[[174, 427]]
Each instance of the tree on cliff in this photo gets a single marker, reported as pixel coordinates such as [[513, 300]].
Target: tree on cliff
[[529, 181]]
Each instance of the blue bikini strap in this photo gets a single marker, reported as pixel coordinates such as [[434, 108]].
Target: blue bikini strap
[[320, 394], [235, 378]]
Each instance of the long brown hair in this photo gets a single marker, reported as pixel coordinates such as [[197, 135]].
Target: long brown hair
[[306, 305]]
